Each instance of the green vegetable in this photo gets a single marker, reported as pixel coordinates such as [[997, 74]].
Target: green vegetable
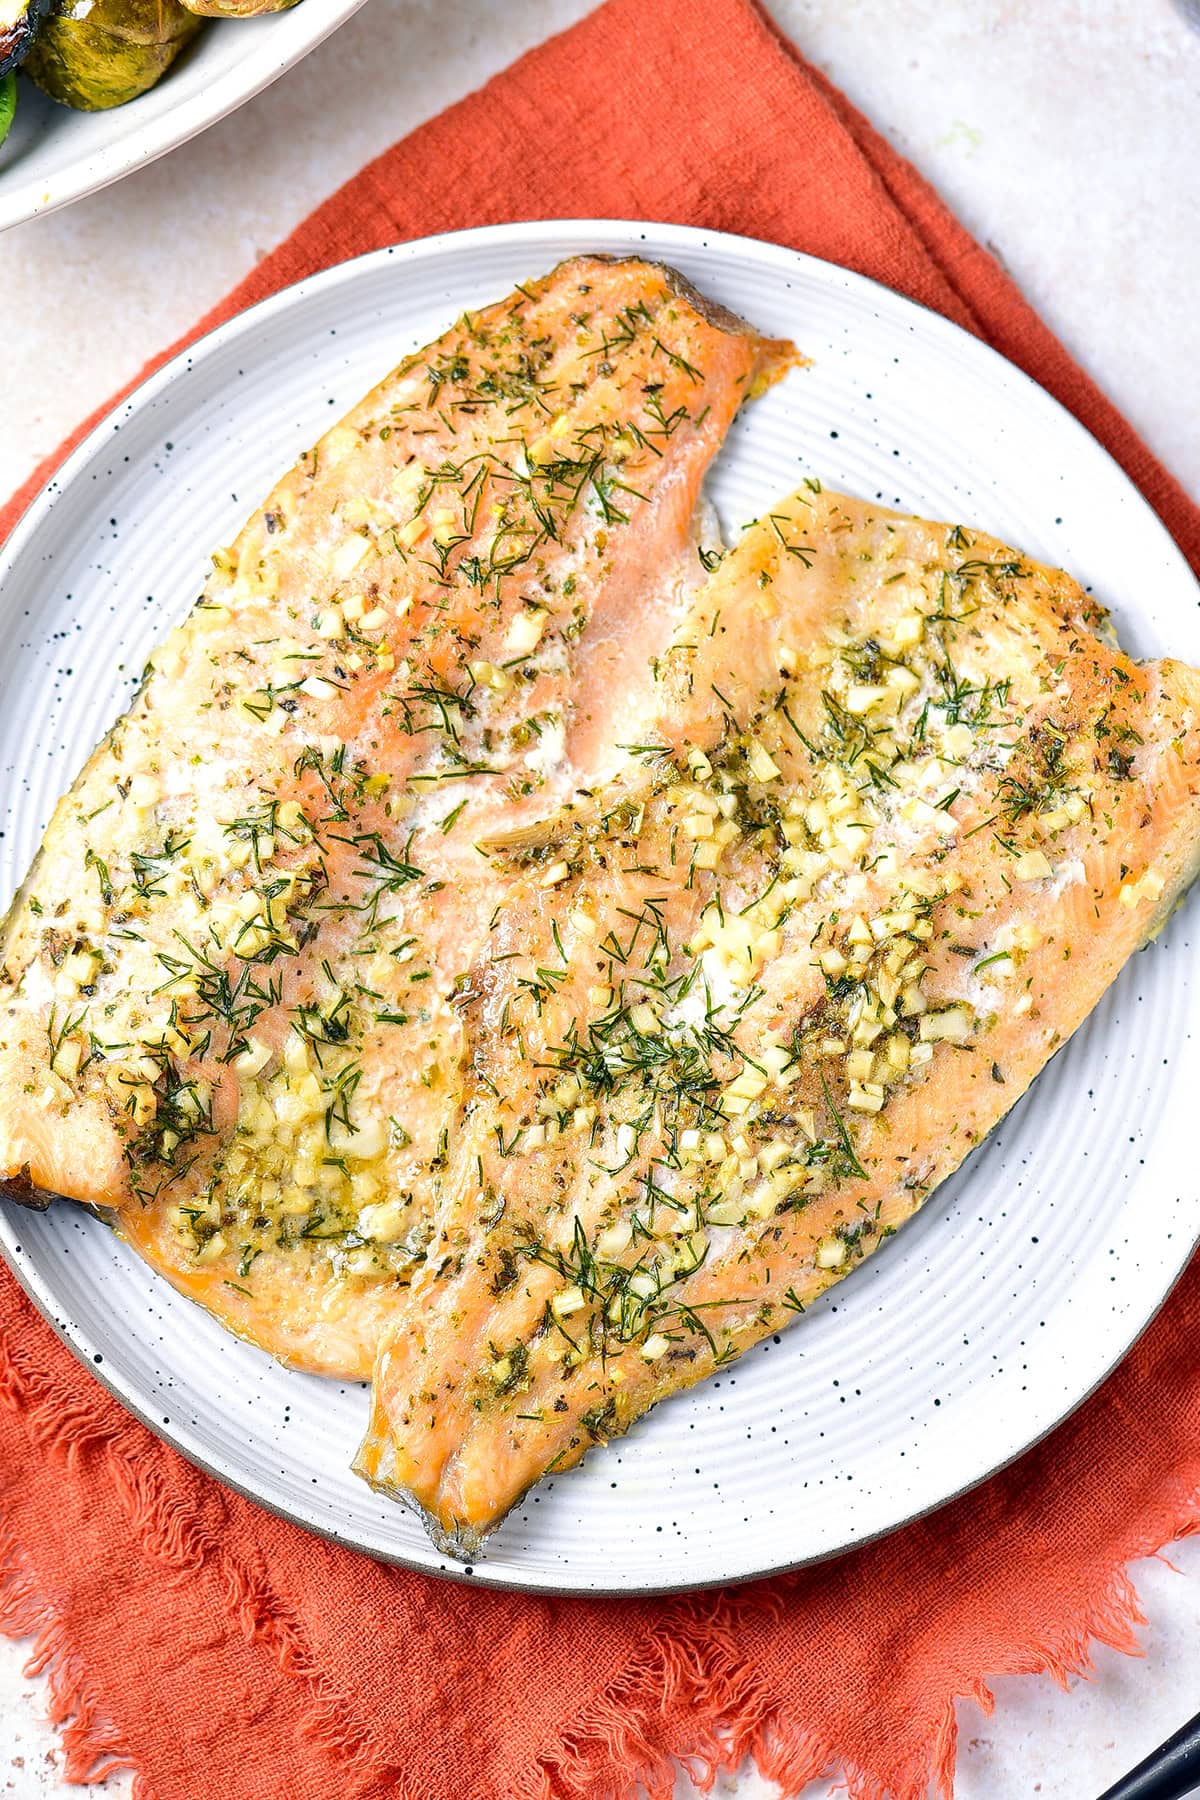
[[101, 53], [8, 103]]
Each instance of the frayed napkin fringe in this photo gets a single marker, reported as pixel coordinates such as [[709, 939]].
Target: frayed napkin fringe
[[67, 1427], [621, 1745], [617, 1747], [92, 1746], [628, 1741]]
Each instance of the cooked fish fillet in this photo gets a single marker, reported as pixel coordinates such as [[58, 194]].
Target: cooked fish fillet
[[909, 816], [227, 992]]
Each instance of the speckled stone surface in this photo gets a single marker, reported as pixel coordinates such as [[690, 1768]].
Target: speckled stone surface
[[1086, 185]]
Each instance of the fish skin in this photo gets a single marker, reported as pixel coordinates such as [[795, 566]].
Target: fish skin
[[556, 441], [1071, 752]]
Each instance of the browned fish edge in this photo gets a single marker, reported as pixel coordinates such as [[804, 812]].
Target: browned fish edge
[[21, 1191], [463, 1545]]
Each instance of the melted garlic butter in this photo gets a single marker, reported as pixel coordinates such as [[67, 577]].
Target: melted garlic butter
[[307, 1161], [905, 738]]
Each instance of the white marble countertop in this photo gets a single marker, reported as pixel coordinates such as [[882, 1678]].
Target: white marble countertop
[[1066, 136]]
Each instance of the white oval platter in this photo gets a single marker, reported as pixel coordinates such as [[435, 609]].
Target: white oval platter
[[54, 155], [1024, 1280]]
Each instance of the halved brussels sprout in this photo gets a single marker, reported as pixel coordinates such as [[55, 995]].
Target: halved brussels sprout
[[100, 53], [19, 21]]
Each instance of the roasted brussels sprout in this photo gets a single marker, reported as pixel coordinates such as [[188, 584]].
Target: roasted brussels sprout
[[236, 9], [100, 53], [19, 21], [8, 103]]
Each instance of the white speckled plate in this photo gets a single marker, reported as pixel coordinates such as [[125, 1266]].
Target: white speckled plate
[[1026, 1277], [54, 155]]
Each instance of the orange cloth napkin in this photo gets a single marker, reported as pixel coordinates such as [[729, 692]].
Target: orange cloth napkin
[[222, 1653]]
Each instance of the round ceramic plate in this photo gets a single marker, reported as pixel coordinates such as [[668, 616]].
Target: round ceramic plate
[[54, 155], [986, 1320]]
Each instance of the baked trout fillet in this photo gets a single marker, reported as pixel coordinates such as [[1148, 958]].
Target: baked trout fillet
[[227, 988], [905, 814]]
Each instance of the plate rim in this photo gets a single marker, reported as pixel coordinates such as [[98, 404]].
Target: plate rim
[[625, 236], [30, 198]]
